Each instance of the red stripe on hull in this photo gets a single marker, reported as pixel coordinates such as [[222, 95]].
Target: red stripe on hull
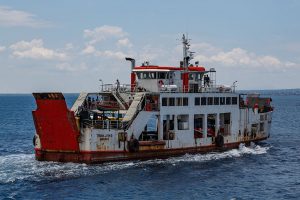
[[90, 157]]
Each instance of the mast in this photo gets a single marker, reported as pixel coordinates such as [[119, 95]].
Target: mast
[[187, 55]]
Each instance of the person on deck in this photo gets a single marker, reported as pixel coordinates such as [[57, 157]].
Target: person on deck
[[118, 84]]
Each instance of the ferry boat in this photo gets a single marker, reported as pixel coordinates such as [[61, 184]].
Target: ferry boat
[[164, 111]]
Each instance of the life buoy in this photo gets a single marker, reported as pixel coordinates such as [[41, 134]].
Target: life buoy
[[133, 145], [161, 83], [219, 141]]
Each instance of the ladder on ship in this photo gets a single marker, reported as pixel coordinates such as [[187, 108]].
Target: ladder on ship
[[79, 101], [134, 109], [135, 118], [120, 100]]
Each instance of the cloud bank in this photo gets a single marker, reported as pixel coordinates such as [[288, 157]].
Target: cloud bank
[[12, 18], [35, 49]]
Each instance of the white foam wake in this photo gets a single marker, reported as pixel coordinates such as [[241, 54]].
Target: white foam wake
[[24, 167]]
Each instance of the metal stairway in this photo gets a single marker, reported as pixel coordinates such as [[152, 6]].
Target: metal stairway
[[133, 110], [136, 119], [120, 100], [79, 101]]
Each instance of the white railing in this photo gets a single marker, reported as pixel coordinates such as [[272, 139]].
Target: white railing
[[127, 88], [102, 124], [114, 87], [214, 89]]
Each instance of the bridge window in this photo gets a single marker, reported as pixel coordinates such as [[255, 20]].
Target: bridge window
[[139, 75], [198, 77], [222, 100], [185, 101], [171, 101], [146, 75], [228, 100], [234, 100], [197, 101], [164, 101], [178, 101], [210, 101], [152, 75], [162, 75], [216, 100], [203, 101]]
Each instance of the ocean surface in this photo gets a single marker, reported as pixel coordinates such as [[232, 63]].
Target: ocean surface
[[268, 170]]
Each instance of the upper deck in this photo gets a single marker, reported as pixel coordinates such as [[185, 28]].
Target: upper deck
[[162, 79]]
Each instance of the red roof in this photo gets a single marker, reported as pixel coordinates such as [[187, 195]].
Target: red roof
[[197, 69]]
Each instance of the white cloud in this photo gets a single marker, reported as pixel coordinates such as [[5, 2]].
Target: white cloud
[[69, 46], [124, 42], [89, 49], [71, 67], [103, 32], [238, 57], [111, 54], [10, 17], [34, 49], [2, 48]]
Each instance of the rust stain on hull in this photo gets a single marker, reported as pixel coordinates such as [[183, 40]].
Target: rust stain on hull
[[146, 154]]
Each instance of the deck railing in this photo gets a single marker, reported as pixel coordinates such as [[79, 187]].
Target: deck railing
[[102, 124], [202, 89], [127, 88]]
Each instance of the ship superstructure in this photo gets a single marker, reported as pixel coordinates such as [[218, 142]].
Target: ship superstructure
[[164, 111]]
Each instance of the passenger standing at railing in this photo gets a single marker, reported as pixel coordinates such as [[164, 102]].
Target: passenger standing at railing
[[118, 84], [206, 80]]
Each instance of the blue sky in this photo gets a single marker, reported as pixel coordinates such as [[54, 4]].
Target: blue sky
[[69, 45]]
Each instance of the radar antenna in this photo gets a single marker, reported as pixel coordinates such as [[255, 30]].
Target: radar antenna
[[187, 54]]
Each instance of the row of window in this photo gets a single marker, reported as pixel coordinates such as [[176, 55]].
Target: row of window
[[184, 101], [154, 75], [178, 101], [215, 101]]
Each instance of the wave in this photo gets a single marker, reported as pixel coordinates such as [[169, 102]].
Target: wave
[[18, 167]]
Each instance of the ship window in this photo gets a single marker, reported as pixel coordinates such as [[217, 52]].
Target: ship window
[[203, 101], [145, 75], [178, 101], [228, 100], [161, 75], [216, 100], [197, 101], [183, 122], [261, 126], [185, 101], [139, 75], [148, 75], [172, 101], [209, 101], [191, 76], [234, 100], [222, 100], [164, 101], [152, 75], [198, 77]]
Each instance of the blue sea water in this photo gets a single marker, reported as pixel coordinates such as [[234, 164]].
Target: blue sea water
[[269, 170]]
